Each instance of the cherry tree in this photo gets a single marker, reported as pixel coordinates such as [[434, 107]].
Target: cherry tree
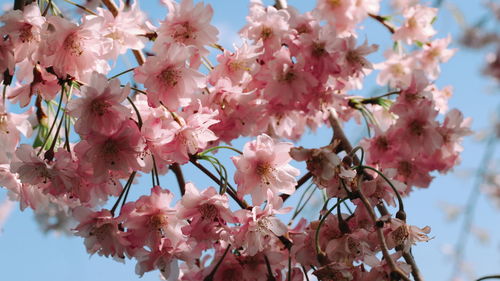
[[82, 136]]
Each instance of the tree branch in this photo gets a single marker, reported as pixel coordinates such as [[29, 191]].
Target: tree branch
[[280, 4], [383, 21], [241, 202], [176, 168]]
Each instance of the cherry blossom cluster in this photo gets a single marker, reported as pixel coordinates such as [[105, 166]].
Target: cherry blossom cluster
[[293, 72]]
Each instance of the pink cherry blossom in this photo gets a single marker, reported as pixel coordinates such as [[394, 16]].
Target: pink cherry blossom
[[264, 166], [168, 79], [99, 108], [417, 25], [75, 50], [24, 30], [187, 24], [208, 213], [120, 151], [127, 30], [102, 233]]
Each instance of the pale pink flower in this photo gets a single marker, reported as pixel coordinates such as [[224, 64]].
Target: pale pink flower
[[151, 222], [31, 168], [378, 189], [264, 166], [352, 60], [238, 66], [168, 79], [103, 234], [24, 30], [208, 213], [344, 15], [327, 168], [99, 107], [75, 50], [187, 24], [434, 53], [259, 227], [42, 83], [398, 233], [417, 25], [396, 70], [287, 81], [127, 30], [12, 125], [268, 25], [192, 133], [120, 151]]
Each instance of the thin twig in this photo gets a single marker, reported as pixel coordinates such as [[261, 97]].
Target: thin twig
[[176, 168], [383, 21], [241, 202], [489, 277], [280, 4], [347, 147], [415, 271]]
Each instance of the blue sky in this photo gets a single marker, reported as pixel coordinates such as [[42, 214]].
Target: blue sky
[[27, 254]]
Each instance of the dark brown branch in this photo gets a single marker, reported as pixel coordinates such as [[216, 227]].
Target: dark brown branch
[[241, 202], [19, 4], [176, 168], [383, 21], [415, 271]]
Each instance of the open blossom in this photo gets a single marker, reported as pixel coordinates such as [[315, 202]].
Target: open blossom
[[73, 49], [259, 227], [326, 166], [187, 24], [417, 25], [345, 14], [120, 151], [42, 83], [208, 213], [238, 66], [23, 29], [168, 79], [126, 30], [192, 133], [268, 25], [102, 232], [434, 53], [99, 107], [152, 223], [264, 166]]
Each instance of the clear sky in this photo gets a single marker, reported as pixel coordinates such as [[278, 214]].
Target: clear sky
[[27, 254]]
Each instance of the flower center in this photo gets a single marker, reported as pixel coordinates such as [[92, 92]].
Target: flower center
[[4, 125], [417, 127], [170, 77], [266, 33], [208, 211], [264, 170], [25, 34], [183, 32], [334, 3], [158, 221], [73, 44], [99, 107]]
